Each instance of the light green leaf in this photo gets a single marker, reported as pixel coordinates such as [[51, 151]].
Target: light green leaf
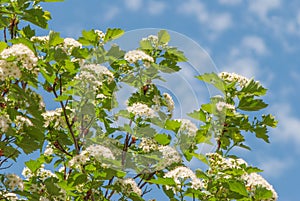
[[112, 34], [55, 39], [146, 45], [162, 181], [163, 37], [269, 120], [213, 79], [163, 139], [254, 88], [179, 55], [238, 187], [262, 193], [198, 115], [33, 165], [3, 45]]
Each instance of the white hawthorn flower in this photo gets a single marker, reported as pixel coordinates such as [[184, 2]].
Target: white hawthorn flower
[[187, 127], [220, 106], [169, 156], [148, 145], [141, 110], [138, 55], [4, 123], [183, 173], [233, 77], [169, 101], [14, 181], [70, 43], [99, 151], [128, 186], [255, 180]]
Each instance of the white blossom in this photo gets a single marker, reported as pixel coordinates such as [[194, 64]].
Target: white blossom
[[99, 151], [148, 145], [41, 39], [13, 181], [233, 77], [100, 34], [80, 159], [169, 101], [187, 127], [48, 150], [141, 110], [128, 186], [11, 196], [221, 105], [138, 55], [21, 121], [183, 173], [255, 180], [169, 156], [4, 123], [23, 57], [70, 43]]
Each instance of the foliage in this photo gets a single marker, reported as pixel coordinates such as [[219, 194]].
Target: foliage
[[90, 157]]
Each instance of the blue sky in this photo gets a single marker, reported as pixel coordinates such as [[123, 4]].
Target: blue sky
[[256, 38]]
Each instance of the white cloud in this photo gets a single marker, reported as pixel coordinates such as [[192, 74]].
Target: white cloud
[[262, 8], [255, 43], [111, 13], [274, 167], [133, 4], [216, 22], [245, 66], [230, 2], [156, 7], [289, 125]]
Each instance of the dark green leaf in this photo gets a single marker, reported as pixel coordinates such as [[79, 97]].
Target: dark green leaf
[[55, 39], [248, 103], [262, 194], [269, 120], [254, 88]]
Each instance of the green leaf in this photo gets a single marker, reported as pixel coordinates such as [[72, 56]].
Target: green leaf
[[115, 52], [88, 38], [3, 45], [51, 186], [112, 34], [254, 88], [198, 115], [33, 165], [213, 79], [62, 98], [55, 39], [28, 32], [262, 193], [80, 179], [261, 132], [179, 55], [37, 16], [162, 139], [238, 187], [269, 120], [248, 103], [163, 37], [162, 181], [146, 45], [172, 125]]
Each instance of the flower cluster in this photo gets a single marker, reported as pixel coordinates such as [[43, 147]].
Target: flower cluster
[[169, 156], [40, 39], [187, 127], [14, 58], [221, 105], [141, 110], [53, 118], [9, 196], [4, 123], [218, 163], [100, 34], [138, 55], [148, 145], [13, 181], [71, 43], [255, 180], [154, 41], [48, 150], [220, 166], [181, 174], [99, 152], [233, 77], [41, 173], [129, 186], [95, 75], [169, 101], [21, 121]]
